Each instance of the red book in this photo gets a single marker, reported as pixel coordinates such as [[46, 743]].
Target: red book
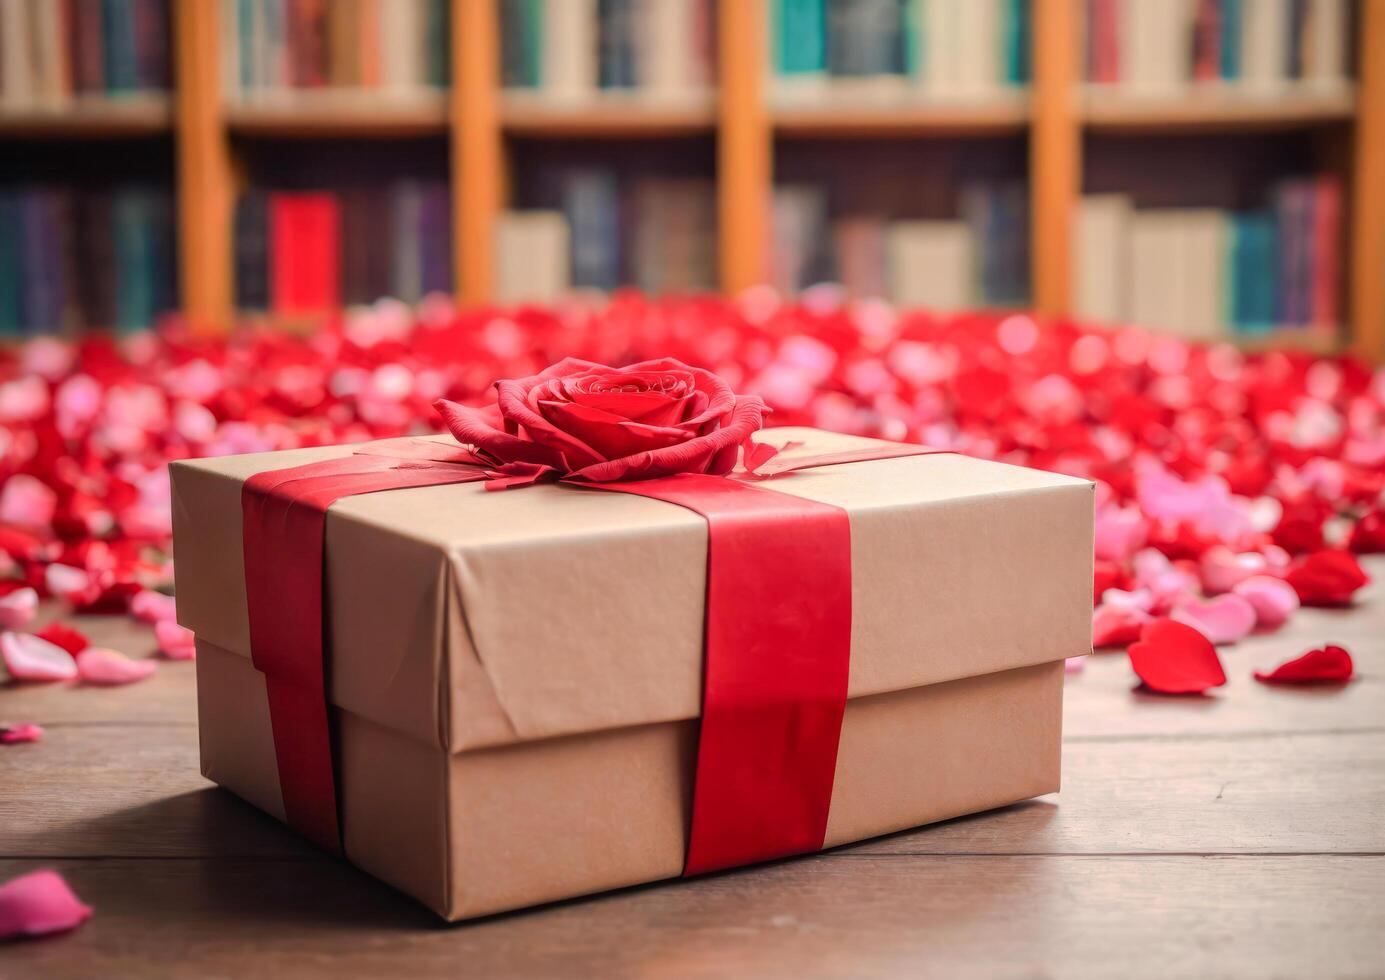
[[1326, 252], [1207, 28], [305, 242], [307, 28]]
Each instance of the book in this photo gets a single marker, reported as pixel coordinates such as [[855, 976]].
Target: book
[[800, 39], [1264, 36], [304, 236], [1098, 267], [591, 202], [616, 47], [1326, 249], [251, 252], [533, 260], [932, 264], [798, 223], [569, 67], [860, 244]]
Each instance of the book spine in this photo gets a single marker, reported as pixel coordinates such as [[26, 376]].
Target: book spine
[[435, 232], [252, 258], [1327, 238], [591, 202], [304, 233], [1230, 61], [616, 43], [121, 74], [11, 263]]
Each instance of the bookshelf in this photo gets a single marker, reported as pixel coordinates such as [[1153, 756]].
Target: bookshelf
[[1055, 118]]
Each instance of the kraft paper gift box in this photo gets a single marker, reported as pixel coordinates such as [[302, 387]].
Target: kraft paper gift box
[[515, 678]]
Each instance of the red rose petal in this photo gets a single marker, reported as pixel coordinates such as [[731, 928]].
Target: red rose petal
[[1326, 578], [15, 734], [1173, 658], [1327, 665], [71, 640], [31, 658], [1368, 534], [97, 665], [37, 904], [18, 608]]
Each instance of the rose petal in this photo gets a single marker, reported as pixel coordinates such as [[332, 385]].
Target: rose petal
[[71, 640], [176, 642], [65, 580], [1116, 625], [97, 665], [1273, 599], [1225, 619], [1074, 665], [149, 606], [1328, 665], [15, 734], [1327, 578], [1174, 658], [37, 904], [30, 658], [18, 609]]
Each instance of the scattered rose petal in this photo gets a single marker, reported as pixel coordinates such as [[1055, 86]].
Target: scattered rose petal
[[71, 640], [18, 609], [97, 665], [66, 581], [1327, 578], [149, 606], [176, 642], [29, 658], [15, 734], [1368, 534], [1273, 599], [1116, 625], [37, 904], [1225, 619], [1074, 665], [1327, 665], [1174, 658]]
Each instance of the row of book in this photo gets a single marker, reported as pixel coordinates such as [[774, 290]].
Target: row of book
[[571, 49], [657, 234], [980, 259], [1252, 44], [1205, 273], [271, 48], [98, 259], [934, 48], [300, 253], [55, 51]]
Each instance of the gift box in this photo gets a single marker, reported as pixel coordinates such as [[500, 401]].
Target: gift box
[[513, 683]]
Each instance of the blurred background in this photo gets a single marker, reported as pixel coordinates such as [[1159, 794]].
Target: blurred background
[[1210, 168]]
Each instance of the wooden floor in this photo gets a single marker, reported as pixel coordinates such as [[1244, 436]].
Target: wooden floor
[[1240, 835]]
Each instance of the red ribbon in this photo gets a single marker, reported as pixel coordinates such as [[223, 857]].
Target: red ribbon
[[777, 654]]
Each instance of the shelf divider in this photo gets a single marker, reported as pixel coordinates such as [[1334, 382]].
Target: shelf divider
[[745, 175], [477, 159], [1055, 153]]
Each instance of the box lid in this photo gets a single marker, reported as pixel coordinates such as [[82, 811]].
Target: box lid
[[470, 618]]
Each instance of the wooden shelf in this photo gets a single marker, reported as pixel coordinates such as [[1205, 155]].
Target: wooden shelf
[[146, 114], [842, 118], [607, 116], [1311, 340], [313, 115], [1213, 108]]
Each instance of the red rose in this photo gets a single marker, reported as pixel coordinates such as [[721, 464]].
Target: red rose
[[591, 422]]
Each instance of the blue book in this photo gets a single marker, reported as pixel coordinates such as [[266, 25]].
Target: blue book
[[118, 45], [134, 260], [800, 36], [41, 290], [616, 43], [591, 201], [1254, 264], [11, 263], [245, 46], [1230, 38]]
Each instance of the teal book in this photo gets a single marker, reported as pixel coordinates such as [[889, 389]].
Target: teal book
[[1230, 38], [118, 45], [132, 227], [800, 32], [912, 21], [11, 233], [1254, 271], [1014, 33]]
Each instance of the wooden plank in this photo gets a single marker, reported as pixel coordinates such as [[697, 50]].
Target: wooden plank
[[1007, 116], [1213, 111], [1368, 191], [477, 160], [606, 117], [142, 796], [205, 186], [864, 917], [145, 114], [744, 145], [336, 117], [1055, 165]]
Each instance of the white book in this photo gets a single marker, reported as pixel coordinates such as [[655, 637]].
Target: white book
[[533, 251], [1203, 238], [16, 65], [1325, 61], [229, 30], [402, 63], [1154, 272], [1264, 36], [1098, 268], [939, 31], [978, 46], [569, 48], [1157, 37], [665, 34], [932, 264]]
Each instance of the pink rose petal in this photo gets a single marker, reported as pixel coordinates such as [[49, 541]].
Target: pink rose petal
[[97, 665], [1221, 568], [1074, 665], [14, 734], [176, 642], [27, 501], [37, 904], [1273, 599], [1225, 619], [65, 580], [29, 658], [149, 606], [18, 609], [1120, 532]]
